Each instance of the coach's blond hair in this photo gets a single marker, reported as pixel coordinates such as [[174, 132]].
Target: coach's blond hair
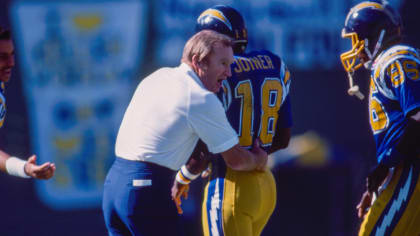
[[202, 43]]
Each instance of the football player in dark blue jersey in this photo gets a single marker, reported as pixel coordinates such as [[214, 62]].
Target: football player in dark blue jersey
[[9, 164], [256, 99], [390, 206]]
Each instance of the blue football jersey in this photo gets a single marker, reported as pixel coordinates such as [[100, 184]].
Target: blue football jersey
[[2, 105], [394, 92], [256, 97]]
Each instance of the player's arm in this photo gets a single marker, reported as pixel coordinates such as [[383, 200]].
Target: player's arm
[[282, 133], [409, 143], [25, 169], [407, 93], [197, 163], [407, 147], [199, 159], [281, 139]]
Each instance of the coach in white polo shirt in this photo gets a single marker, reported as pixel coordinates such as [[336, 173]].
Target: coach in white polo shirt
[[171, 109]]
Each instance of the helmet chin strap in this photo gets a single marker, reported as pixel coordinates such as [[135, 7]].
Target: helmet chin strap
[[354, 89]]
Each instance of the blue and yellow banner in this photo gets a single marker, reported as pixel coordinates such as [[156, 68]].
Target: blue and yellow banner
[[78, 61]]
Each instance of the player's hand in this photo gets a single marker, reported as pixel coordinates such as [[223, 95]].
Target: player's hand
[[44, 171], [364, 204], [376, 178], [261, 155], [206, 173], [179, 190]]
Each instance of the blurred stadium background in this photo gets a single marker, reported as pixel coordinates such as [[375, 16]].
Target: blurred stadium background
[[78, 63]]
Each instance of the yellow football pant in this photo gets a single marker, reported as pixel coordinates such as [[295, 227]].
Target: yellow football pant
[[239, 204], [397, 209]]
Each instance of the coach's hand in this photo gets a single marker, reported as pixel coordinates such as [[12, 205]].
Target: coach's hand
[[261, 155], [44, 171], [179, 190]]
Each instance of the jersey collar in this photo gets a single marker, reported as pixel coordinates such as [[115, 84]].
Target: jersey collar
[[184, 67]]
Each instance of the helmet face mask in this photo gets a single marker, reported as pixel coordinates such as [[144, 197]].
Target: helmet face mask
[[351, 59], [227, 21]]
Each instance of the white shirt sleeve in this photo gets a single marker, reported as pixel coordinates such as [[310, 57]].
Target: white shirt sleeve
[[208, 119]]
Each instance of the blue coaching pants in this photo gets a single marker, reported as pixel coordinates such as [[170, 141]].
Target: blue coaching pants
[[137, 199]]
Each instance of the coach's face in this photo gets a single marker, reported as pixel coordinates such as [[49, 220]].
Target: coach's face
[[217, 67], [7, 59]]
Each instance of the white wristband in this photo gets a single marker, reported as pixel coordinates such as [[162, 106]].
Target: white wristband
[[180, 179], [188, 174], [16, 167]]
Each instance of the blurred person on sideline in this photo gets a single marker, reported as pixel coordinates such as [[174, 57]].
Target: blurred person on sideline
[[10, 164], [390, 205], [257, 103], [170, 111]]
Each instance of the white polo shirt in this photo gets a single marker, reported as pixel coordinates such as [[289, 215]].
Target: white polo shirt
[[170, 110]]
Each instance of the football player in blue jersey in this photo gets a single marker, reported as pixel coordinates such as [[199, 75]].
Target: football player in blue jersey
[[9, 164], [391, 202], [256, 99]]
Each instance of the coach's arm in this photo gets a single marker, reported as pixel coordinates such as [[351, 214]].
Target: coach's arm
[[241, 159]]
